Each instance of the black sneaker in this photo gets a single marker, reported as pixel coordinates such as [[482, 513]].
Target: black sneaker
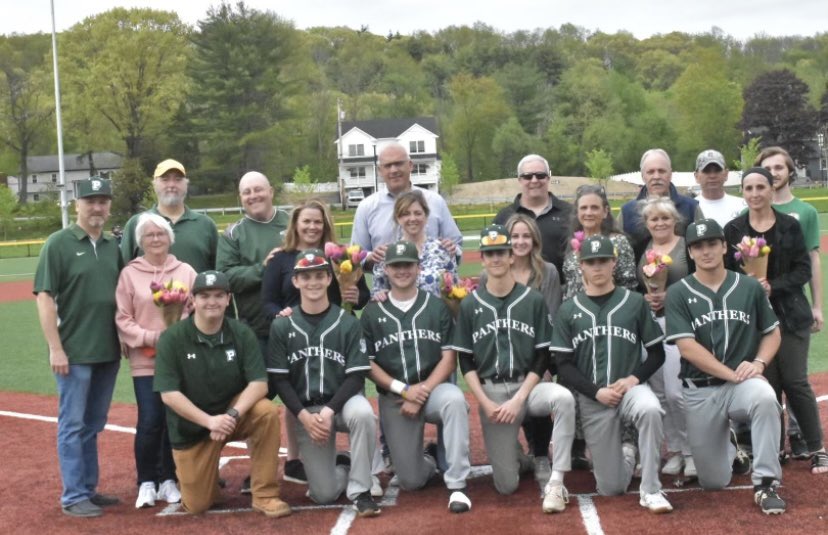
[[799, 448], [741, 463], [245, 486], [366, 506], [295, 472], [84, 509], [768, 500]]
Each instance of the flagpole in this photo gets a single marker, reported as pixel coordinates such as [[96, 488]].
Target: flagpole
[[64, 209]]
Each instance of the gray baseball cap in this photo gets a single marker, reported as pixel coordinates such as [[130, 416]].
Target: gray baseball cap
[[708, 157], [703, 229]]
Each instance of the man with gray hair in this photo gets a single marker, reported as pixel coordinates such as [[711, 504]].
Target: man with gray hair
[[657, 172], [711, 175], [535, 200]]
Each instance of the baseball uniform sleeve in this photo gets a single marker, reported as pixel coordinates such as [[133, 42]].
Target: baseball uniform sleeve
[[276, 357], [650, 331], [366, 321], [446, 325], [678, 320], [543, 325], [461, 340], [562, 333], [356, 352]]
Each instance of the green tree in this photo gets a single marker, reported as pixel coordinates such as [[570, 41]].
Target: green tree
[[747, 154], [303, 184], [7, 205], [511, 143], [130, 187], [449, 174], [599, 164]]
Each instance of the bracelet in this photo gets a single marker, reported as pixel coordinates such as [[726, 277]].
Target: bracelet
[[397, 387], [762, 362]]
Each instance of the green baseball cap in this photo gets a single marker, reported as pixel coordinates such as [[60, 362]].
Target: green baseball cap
[[598, 246], [310, 260], [402, 252], [495, 238], [211, 280], [703, 229], [93, 186]]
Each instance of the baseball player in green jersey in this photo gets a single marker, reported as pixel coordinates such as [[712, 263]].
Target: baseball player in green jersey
[[597, 344], [727, 333], [502, 334], [318, 363], [408, 338]]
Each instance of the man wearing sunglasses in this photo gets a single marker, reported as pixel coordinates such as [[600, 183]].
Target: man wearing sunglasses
[[550, 213]]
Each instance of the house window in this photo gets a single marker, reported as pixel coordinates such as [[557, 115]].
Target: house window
[[36, 196], [34, 179], [416, 146], [357, 172], [356, 150], [420, 169], [54, 178]]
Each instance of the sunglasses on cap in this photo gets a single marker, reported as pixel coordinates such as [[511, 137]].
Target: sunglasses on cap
[[536, 176], [585, 189]]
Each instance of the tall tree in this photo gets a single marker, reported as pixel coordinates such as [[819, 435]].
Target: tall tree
[[123, 76], [777, 110]]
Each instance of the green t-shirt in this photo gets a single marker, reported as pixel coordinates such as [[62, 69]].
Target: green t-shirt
[[808, 219], [729, 323], [502, 333], [241, 250], [209, 370], [407, 345], [81, 276], [196, 238]]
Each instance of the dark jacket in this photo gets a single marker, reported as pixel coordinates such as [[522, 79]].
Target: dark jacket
[[553, 225], [789, 268], [635, 228]]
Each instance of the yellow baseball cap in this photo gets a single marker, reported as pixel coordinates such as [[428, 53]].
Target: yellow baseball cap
[[167, 165]]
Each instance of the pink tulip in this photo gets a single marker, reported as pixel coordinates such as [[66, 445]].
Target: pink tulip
[[737, 255], [576, 245], [761, 242]]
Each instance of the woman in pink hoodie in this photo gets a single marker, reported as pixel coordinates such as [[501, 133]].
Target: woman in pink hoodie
[[140, 323]]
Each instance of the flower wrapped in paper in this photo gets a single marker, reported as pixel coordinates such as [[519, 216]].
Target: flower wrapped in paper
[[655, 271], [346, 262], [454, 292], [170, 297], [753, 253]]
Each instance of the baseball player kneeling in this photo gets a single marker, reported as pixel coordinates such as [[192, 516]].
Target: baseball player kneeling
[[502, 335], [408, 339], [725, 328], [597, 346], [317, 360]]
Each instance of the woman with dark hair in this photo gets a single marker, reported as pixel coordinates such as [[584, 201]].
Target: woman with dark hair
[[788, 270]]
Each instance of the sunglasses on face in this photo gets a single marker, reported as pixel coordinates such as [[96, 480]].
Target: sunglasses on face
[[536, 176]]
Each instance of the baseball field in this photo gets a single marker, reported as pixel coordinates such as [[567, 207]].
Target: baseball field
[[30, 488]]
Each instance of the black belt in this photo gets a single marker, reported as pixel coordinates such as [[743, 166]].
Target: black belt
[[702, 383], [503, 379], [314, 402]]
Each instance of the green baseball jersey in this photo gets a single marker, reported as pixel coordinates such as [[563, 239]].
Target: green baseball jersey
[[407, 345], [210, 370], [606, 339], [316, 359], [502, 333], [81, 276], [241, 250], [729, 322], [808, 219], [196, 237]]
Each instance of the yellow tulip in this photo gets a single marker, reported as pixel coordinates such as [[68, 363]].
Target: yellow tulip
[[352, 249], [667, 260], [766, 250], [346, 266]]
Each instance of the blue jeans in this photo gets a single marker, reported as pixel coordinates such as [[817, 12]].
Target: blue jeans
[[84, 395], [153, 454]]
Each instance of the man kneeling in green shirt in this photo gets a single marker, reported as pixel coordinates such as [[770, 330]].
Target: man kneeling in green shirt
[[211, 375]]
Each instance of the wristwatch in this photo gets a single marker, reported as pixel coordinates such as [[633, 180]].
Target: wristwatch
[[234, 413]]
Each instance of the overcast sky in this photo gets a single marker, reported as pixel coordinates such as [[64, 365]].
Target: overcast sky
[[739, 18]]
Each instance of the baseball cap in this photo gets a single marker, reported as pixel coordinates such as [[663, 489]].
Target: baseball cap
[[167, 165], [709, 156], [94, 186], [598, 246], [211, 280], [495, 238], [703, 229], [402, 252], [309, 260]]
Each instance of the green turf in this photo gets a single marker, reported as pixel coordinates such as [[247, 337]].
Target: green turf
[[13, 269]]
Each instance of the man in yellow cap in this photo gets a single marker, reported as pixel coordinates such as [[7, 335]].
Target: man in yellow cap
[[196, 236]]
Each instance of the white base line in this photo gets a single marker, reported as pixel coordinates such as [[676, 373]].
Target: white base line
[[589, 514]]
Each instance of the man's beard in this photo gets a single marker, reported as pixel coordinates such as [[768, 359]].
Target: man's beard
[[171, 199]]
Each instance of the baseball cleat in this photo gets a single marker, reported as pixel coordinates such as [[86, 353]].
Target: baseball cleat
[[656, 502], [376, 487], [295, 472], [673, 465], [366, 506], [799, 448], [768, 500], [555, 497], [459, 502]]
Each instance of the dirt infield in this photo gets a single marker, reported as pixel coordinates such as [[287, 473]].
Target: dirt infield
[[16, 291], [31, 487]]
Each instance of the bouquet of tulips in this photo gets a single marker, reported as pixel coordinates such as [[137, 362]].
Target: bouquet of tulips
[[170, 297], [577, 239], [753, 252], [347, 265], [454, 292], [655, 271]]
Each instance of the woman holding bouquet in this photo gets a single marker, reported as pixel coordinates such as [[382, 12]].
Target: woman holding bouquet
[[663, 263], [788, 270], [410, 216], [591, 215], [140, 322]]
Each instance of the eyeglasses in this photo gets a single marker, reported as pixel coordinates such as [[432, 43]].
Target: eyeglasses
[[586, 189], [536, 176]]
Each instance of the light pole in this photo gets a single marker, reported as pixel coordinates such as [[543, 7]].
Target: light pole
[[64, 208]]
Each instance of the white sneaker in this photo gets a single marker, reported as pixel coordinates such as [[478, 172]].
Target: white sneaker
[[376, 487], [673, 465], [168, 492], [555, 497], [656, 502], [146, 495], [690, 467]]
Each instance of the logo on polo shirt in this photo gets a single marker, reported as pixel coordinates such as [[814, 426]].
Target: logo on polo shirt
[[692, 300], [478, 310], [80, 253], [578, 315], [231, 354], [191, 356]]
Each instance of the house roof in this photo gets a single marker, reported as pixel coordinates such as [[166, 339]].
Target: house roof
[[74, 162], [389, 128]]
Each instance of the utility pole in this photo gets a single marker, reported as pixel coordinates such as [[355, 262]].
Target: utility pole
[[339, 116], [64, 208]]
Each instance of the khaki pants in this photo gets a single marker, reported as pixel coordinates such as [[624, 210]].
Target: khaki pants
[[197, 466]]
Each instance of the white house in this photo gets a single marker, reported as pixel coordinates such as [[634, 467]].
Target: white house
[[361, 141], [42, 181]]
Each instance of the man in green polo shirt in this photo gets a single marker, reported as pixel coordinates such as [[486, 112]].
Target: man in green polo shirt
[[195, 234], [75, 281], [211, 375]]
